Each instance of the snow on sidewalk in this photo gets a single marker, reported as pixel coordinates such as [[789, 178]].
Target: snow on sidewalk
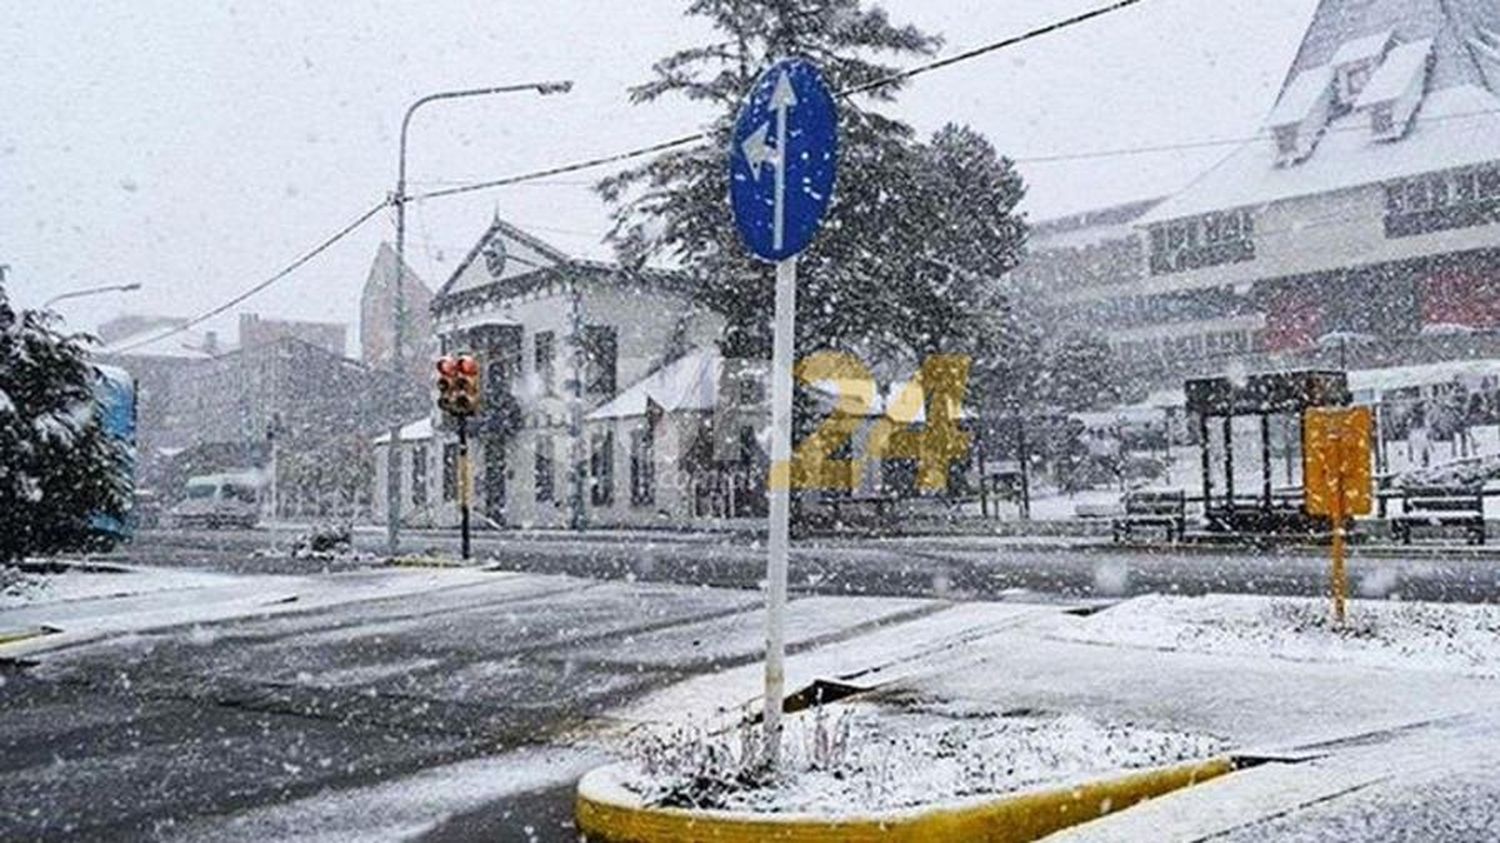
[[83, 606], [1456, 638]]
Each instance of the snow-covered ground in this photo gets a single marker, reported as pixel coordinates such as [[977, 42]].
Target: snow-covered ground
[[1387, 634], [1408, 691], [81, 605]]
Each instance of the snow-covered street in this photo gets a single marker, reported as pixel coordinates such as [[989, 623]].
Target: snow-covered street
[[397, 702]]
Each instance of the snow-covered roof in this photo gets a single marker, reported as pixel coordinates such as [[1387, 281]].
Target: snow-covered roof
[[1301, 97], [415, 431], [506, 256], [689, 383], [186, 345], [1362, 49], [1456, 127], [1397, 73], [1452, 24], [1425, 374]]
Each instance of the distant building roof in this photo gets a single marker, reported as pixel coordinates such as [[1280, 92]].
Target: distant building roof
[[1456, 127], [507, 260], [154, 342], [1092, 227]]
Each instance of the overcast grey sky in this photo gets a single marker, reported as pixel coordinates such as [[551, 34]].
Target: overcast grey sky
[[198, 146]]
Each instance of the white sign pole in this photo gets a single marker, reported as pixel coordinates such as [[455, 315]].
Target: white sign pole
[[781, 499], [782, 99]]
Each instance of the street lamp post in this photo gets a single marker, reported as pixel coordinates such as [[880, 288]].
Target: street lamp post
[[398, 316], [91, 291]]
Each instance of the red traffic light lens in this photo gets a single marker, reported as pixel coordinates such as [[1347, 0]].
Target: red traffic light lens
[[446, 366], [468, 366]]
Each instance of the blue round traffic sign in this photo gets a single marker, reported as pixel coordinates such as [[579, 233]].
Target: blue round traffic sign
[[783, 159]]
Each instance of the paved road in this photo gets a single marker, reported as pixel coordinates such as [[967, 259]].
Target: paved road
[[170, 734], [945, 567], [198, 731]]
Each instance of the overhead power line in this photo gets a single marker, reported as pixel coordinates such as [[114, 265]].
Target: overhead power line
[[619, 157], [686, 140], [1056, 26], [285, 271]]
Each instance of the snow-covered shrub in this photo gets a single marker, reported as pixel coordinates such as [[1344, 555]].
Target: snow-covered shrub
[[58, 469], [323, 540]]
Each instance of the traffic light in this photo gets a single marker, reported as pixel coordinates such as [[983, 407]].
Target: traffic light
[[466, 386], [458, 384]]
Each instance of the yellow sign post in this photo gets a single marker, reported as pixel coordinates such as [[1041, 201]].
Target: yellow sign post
[[1336, 476]]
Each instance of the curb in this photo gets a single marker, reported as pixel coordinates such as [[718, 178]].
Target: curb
[[12, 636], [607, 814], [427, 562]]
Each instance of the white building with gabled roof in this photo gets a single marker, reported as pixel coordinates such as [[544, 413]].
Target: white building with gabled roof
[[1369, 206], [558, 337]]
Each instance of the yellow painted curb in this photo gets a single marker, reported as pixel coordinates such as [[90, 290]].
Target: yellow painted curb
[[424, 562], [605, 817], [11, 636]]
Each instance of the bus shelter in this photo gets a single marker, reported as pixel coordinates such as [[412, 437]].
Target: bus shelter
[[1249, 432]]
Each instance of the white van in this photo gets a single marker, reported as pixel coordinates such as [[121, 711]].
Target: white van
[[217, 500]]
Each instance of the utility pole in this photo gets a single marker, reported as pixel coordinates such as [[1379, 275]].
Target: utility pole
[[398, 309]]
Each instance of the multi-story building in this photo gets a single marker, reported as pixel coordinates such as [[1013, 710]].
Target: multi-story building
[[1364, 222]]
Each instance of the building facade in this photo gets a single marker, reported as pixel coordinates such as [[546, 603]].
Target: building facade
[[558, 338], [1362, 228]]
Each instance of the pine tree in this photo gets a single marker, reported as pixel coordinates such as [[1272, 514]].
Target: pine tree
[[917, 235], [58, 469]]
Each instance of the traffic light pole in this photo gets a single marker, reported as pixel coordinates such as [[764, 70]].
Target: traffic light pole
[[464, 482], [398, 306]]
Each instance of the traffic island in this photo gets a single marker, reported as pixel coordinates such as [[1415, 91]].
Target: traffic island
[[878, 772]]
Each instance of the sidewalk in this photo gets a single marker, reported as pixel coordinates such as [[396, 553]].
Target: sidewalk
[[1360, 737]]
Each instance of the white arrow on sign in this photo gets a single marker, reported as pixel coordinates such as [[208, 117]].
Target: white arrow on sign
[[758, 153]]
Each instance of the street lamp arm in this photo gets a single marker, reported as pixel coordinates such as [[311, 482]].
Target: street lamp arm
[[544, 88], [89, 291]]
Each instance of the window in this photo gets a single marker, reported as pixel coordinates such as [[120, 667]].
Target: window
[[419, 475], [600, 349], [642, 468], [1286, 140], [1467, 187], [450, 471], [602, 468], [544, 473], [1416, 195], [1442, 202], [1395, 199], [752, 390], [1211, 240], [1438, 187], [1489, 183], [544, 356], [749, 446]]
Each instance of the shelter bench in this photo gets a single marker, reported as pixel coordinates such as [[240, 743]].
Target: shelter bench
[[1440, 507], [1153, 508]]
